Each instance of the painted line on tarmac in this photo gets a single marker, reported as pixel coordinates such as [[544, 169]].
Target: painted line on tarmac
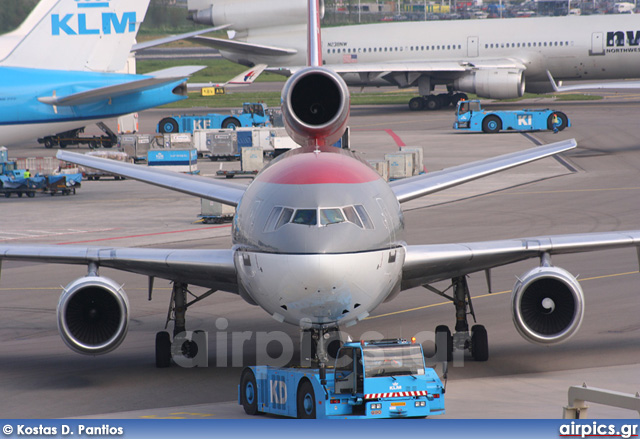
[[404, 311], [144, 235], [34, 234], [395, 138]]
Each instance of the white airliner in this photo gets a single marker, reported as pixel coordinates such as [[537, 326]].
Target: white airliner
[[491, 58], [318, 241]]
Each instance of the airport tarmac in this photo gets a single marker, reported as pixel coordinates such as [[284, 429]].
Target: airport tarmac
[[594, 188]]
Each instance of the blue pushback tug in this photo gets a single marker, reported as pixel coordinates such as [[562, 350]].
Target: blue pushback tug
[[252, 115], [472, 117], [376, 379]]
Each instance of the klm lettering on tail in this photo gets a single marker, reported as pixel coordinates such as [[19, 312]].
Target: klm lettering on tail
[[623, 39], [93, 23]]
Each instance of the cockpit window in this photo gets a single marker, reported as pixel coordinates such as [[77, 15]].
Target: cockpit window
[[352, 216], [305, 216], [273, 217], [356, 215], [285, 217], [331, 216], [364, 216]]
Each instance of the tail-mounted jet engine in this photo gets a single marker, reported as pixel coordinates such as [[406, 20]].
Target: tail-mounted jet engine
[[93, 315], [315, 106], [547, 305]]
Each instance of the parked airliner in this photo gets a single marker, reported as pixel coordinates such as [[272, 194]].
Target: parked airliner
[[57, 70], [498, 59], [318, 241]]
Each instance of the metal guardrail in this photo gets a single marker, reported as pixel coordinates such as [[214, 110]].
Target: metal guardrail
[[579, 395]]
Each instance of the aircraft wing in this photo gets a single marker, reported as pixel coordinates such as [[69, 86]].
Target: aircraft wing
[[203, 187], [406, 73], [207, 268], [421, 185], [443, 66], [172, 38], [148, 81], [241, 47], [425, 264]]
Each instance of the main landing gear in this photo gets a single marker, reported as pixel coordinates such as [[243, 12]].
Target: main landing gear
[[435, 102], [475, 341], [178, 313]]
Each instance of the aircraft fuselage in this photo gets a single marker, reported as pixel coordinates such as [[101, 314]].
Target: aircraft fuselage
[[318, 238], [23, 117]]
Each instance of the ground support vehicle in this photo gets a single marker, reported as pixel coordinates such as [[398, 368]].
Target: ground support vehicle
[[381, 379], [470, 116], [252, 115], [212, 212], [64, 184], [73, 137], [94, 174], [16, 183]]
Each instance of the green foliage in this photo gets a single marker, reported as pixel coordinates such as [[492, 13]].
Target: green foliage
[[217, 71], [13, 12], [164, 18]]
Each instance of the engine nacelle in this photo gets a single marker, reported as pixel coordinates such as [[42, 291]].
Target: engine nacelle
[[93, 315], [547, 305], [315, 106], [243, 15], [493, 83]]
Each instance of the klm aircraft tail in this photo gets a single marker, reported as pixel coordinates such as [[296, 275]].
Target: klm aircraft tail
[[81, 35]]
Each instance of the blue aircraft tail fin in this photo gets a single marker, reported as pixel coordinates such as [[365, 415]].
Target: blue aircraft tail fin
[[81, 35]]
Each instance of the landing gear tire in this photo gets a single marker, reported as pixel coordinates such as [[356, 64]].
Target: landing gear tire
[[306, 401], [416, 104], [432, 103], [445, 99], [479, 343], [457, 97], [249, 392], [163, 349], [491, 124], [444, 340]]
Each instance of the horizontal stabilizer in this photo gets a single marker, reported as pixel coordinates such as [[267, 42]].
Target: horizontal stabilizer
[[421, 185], [149, 81], [244, 48], [245, 78], [203, 187], [612, 85]]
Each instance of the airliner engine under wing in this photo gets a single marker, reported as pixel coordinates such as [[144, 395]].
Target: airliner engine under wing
[[496, 59], [58, 74], [318, 242]]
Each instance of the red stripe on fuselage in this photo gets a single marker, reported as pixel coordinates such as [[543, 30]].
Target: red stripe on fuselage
[[318, 168]]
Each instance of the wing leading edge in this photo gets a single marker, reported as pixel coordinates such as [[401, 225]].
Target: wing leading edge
[[425, 264], [206, 268], [208, 188]]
